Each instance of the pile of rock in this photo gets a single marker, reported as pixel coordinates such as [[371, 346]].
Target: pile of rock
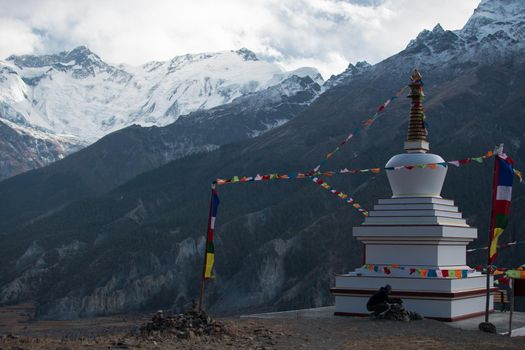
[[397, 312], [191, 324]]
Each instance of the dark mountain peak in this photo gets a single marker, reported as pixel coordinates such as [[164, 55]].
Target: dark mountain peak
[[34, 61], [435, 41], [82, 56], [247, 55], [495, 29], [436, 33], [494, 15], [295, 84], [350, 69], [80, 53], [79, 56], [362, 65], [500, 6], [349, 72], [438, 29]]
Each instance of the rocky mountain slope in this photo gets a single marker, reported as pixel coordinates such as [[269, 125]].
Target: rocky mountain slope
[[126, 153], [278, 244], [74, 98], [24, 149]]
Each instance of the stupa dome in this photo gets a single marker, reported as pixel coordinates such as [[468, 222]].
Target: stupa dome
[[417, 181]]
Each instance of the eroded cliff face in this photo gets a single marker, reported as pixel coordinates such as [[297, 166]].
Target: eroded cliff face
[[137, 281], [21, 150]]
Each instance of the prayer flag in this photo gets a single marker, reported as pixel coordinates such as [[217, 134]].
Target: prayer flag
[[517, 274], [488, 154], [519, 174], [210, 249], [501, 198]]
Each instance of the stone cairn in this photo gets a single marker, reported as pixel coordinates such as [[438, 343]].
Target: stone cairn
[[397, 312], [191, 324]]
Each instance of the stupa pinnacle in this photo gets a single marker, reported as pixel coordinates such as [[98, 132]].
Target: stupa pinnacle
[[417, 135]]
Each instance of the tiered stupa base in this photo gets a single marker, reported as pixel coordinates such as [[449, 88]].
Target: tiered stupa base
[[410, 237], [437, 298]]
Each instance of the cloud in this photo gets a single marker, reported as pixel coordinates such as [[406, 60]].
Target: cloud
[[326, 34], [16, 37]]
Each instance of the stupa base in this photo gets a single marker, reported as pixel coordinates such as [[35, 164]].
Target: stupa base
[[442, 299]]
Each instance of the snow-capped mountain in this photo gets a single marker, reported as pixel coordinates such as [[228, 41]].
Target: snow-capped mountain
[[346, 75], [71, 99], [126, 153], [495, 30], [76, 93]]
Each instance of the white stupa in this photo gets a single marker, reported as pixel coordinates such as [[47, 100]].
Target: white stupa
[[416, 240]]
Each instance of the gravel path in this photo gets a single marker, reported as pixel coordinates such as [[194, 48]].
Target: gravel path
[[246, 333]]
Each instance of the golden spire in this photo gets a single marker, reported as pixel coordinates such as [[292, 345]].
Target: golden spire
[[417, 134]]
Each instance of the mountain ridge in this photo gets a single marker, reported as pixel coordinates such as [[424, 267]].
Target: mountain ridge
[[102, 98], [128, 152]]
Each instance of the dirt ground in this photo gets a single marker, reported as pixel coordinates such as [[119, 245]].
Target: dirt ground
[[18, 331]]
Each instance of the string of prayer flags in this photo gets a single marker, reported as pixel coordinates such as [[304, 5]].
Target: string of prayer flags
[[365, 124], [342, 195], [377, 170], [504, 245], [515, 274], [518, 273], [456, 163], [519, 174], [493, 269], [209, 258], [501, 198], [424, 273]]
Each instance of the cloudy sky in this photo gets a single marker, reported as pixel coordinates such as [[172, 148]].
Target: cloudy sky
[[327, 34]]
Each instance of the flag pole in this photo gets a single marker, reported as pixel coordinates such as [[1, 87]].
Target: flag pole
[[487, 299], [201, 295], [499, 150], [203, 279], [511, 283]]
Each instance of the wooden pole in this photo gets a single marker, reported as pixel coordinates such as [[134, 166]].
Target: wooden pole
[[364, 253], [487, 299], [203, 280], [499, 150], [511, 284], [201, 296]]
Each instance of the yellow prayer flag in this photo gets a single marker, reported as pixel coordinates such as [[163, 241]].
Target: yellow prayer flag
[[208, 271], [494, 244]]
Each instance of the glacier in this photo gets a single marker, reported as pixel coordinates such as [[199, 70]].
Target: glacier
[[75, 97]]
